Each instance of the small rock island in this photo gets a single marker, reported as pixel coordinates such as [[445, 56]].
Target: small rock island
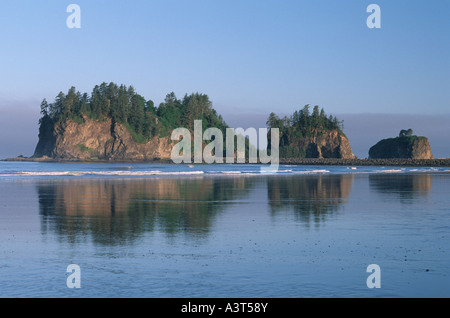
[[311, 134], [405, 146]]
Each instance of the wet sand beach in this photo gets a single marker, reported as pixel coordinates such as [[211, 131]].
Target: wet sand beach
[[226, 236]]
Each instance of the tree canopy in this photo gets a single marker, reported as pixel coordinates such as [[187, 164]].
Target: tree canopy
[[302, 123], [122, 104]]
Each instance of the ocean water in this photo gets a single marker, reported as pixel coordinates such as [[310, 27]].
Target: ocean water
[[154, 230]]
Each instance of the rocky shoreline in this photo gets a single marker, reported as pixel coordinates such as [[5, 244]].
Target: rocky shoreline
[[294, 161], [370, 162]]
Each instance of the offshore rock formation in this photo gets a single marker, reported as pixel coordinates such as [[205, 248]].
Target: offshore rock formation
[[97, 140], [106, 140], [329, 145], [404, 147], [324, 144], [114, 122], [307, 134]]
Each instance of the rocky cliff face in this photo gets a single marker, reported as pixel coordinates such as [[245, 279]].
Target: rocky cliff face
[[101, 140], [105, 140], [412, 147], [324, 144]]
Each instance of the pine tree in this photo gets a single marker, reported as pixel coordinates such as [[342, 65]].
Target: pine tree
[[44, 108], [272, 121], [136, 116], [84, 105], [315, 117]]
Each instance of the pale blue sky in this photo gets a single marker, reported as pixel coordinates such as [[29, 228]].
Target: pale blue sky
[[250, 56]]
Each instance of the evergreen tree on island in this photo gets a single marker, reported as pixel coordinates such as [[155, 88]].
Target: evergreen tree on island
[[125, 106], [300, 131]]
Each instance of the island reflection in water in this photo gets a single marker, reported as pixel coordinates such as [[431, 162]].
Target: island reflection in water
[[260, 236], [117, 211], [407, 188], [311, 198]]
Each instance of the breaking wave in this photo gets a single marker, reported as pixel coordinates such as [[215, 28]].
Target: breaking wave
[[103, 173], [18, 170]]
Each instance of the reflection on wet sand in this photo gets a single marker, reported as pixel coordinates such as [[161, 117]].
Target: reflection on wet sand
[[312, 198], [406, 188], [117, 211]]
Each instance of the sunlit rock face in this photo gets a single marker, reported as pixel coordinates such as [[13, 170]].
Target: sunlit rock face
[[402, 147], [101, 140]]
